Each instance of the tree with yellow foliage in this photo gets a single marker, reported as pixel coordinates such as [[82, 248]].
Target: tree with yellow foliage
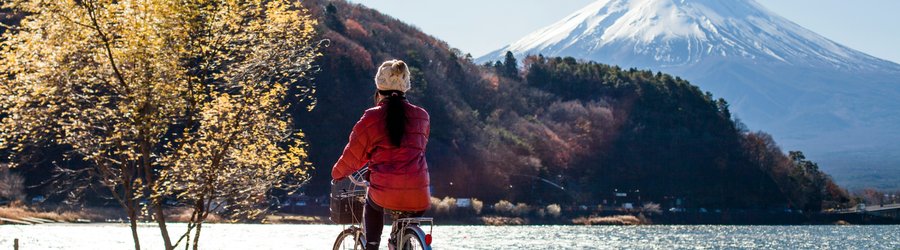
[[164, 98]]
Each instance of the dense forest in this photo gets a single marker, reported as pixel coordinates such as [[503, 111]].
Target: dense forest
[[553, 129], [541, 130]]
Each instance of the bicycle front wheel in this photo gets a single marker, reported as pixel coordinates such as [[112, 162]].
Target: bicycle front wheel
[[414, 240], [351, 238]]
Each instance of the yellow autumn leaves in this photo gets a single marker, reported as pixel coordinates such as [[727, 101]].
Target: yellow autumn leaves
[[167, 99]]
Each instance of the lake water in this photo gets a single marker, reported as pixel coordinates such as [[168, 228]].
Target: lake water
[[239, 236]]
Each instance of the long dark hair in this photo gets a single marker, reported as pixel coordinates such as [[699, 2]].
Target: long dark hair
[[396, 114]]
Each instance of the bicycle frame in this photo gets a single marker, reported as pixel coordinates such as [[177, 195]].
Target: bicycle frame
[[401, 224], [413, 224]]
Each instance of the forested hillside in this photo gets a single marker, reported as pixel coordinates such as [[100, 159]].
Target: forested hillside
[[551, 130]]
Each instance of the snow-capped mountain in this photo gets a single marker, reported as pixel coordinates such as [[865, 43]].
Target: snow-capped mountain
[[684, 32], [837, 104]]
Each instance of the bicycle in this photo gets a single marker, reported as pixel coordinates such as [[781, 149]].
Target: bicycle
[[346, 208]]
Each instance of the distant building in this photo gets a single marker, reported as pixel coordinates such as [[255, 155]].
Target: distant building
[[625, 196], [38, 199], [301, 203], [464, 202]]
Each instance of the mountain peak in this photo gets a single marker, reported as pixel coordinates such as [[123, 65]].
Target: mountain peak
[[684, 32]]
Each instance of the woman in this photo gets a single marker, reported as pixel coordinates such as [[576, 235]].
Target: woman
[[391, 138]]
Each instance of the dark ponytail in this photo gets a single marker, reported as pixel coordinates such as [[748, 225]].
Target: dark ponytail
[[396, 115]]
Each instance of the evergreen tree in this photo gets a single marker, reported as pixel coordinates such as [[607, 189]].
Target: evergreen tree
[[510, 67], [333, 20], [722, 105]]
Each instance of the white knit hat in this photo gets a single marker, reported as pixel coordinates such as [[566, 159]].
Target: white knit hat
[[393, 75]]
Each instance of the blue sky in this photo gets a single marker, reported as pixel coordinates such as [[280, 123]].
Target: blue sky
[[478, 27]]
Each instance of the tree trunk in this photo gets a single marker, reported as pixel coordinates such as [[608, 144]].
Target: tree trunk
[[197, 235], [160, 215], [153, 194], [132, 216], [161, 222], [201, 210], [187, 243]]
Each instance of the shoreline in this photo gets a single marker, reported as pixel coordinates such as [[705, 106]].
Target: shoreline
[[31, 216], [320, 236]]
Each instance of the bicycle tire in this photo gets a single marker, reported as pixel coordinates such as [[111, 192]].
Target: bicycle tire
[[359, 241], [414, 239]]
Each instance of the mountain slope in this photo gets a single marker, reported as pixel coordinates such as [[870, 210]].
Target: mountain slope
[[505, 136], [810, 92]]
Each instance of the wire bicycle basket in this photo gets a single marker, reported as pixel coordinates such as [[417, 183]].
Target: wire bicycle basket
[[347, 201]]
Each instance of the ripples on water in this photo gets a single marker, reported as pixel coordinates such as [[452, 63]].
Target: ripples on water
[[237, 236]]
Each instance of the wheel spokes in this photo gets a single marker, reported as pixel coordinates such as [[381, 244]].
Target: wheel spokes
[[350, 241]]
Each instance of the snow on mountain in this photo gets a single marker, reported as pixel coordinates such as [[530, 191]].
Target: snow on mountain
[[812, 94], [684, 32]]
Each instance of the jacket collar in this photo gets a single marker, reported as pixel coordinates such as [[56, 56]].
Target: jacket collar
[[384, 102]]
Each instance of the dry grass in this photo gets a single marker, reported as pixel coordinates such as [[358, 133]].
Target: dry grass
[[503, 221], [521, 209], [610, 220], [477, 205], [93, 214], [183, 214], [503, 207], [19, 213], [295, 219], [180, 214], [443, 206], [554, 210]]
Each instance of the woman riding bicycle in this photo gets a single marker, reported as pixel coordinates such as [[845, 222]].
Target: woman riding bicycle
[[390, 138]]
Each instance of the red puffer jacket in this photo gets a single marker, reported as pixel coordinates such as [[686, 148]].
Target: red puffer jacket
[[398, 175]]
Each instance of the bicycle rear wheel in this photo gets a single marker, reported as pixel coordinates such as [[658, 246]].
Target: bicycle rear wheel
[[351, 238], [414, 240]]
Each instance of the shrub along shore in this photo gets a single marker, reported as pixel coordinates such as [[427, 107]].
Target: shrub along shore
[[23, 215], [471, 211]]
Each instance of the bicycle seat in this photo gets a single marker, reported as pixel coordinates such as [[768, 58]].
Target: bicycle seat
[[395, 215]]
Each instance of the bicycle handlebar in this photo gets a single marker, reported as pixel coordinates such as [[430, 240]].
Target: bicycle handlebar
[[358, 178]]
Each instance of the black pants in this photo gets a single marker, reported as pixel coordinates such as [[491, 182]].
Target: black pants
[[373, 222]]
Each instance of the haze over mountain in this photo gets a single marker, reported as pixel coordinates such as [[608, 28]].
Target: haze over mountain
[[835, 103]]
